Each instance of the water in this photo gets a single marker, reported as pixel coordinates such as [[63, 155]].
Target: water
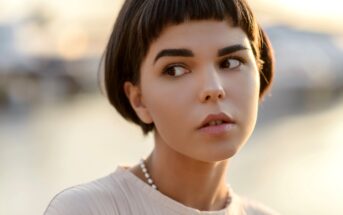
[[292, 164]]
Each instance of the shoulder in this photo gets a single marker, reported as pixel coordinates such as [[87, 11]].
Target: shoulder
[[96, 197], [255, 208], [69, 201]]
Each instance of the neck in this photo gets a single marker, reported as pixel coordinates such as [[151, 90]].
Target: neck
[[194, 183]]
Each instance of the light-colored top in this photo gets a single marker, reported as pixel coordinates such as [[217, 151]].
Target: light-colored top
[[124, 193]]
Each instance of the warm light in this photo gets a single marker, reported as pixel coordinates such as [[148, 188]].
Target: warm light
[[317, 15], [73, 43], [330, 8], [12, 9], [309, 8]]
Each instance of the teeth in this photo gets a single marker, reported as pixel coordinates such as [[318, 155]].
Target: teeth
[[215, 122]]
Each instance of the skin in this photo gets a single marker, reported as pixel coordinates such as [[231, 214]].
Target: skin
[[186, 161]]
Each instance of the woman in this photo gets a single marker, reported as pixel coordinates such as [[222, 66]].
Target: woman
[[192, 72]]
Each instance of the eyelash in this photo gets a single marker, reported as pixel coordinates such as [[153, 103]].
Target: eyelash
[[171, 66], [239, 59]]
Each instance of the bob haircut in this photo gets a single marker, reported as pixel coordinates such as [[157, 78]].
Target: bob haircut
[[139, 23]]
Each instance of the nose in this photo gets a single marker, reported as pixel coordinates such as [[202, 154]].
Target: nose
[[213, 89]]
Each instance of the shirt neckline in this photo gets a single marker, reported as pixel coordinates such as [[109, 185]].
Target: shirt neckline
[[173, 204]]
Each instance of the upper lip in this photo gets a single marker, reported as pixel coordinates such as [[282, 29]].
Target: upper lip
[[212, 117]]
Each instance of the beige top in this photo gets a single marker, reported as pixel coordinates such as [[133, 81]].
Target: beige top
[[124, 193]]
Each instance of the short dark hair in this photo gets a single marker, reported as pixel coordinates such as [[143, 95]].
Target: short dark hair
[[139, 22]]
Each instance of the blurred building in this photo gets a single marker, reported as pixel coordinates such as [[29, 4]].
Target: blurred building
[[26, 80], [307, 60], [308, 72]]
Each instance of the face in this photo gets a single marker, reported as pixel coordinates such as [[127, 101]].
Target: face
[[192, 70]]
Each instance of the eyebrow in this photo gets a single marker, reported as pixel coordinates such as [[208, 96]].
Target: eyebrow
[[231, 49], [174, 53], [189, 53]]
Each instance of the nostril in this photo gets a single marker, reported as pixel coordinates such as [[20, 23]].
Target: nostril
[[212, 95]]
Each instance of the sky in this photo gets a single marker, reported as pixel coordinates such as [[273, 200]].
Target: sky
[[312, 14], [318, 9], [77, 27], [311, 8]]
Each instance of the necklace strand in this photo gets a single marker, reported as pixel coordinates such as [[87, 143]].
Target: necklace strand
[[153, 185]]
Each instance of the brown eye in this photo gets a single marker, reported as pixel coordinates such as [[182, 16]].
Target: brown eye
[[175, 70], [230, 63]]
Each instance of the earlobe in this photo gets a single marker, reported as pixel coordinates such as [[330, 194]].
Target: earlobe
[[134, 95]]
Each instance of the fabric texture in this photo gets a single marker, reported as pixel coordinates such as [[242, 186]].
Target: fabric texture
[[123, 193]]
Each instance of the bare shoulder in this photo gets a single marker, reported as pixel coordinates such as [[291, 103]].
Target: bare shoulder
[[255, 208]]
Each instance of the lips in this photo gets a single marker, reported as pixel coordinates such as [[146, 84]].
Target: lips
[[216, 117]]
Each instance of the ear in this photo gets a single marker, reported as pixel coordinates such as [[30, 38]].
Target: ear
[[134, 95], [267, 56]]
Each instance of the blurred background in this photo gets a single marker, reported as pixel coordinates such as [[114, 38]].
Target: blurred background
[[57, 130]]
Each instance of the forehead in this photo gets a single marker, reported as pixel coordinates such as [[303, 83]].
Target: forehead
[[199, 35]]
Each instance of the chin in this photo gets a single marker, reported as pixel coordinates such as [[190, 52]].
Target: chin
[[211, 156]]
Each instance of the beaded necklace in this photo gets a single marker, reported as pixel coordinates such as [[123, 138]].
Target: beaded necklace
[[153, 185]]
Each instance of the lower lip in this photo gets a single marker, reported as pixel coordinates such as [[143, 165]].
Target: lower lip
[[218, 129]]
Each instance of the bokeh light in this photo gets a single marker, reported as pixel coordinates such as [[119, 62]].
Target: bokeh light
[[57, 130]]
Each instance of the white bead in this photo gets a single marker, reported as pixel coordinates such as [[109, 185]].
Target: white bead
[[150, 181], [146, 174]]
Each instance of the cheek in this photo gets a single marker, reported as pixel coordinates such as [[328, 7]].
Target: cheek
[[247, 98], [168, 106], [251, 89], [169, 114]]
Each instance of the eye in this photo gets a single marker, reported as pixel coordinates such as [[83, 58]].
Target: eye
[[175, 70], [231, 63]]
